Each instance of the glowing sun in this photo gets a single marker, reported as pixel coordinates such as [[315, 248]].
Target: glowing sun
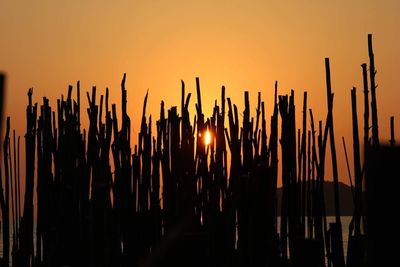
[[207, 138]]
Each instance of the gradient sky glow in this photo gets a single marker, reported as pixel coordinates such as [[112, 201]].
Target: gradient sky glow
[[244, 45]]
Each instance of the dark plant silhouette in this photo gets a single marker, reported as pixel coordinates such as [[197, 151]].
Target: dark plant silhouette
[[176, 199]]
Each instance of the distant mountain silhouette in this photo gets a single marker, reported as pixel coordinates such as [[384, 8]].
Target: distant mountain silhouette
[[346, 201]]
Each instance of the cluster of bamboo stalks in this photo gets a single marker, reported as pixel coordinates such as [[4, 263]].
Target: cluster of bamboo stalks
[[172, 200]]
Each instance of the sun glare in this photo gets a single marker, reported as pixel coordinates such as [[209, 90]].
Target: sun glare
[[207, 138]]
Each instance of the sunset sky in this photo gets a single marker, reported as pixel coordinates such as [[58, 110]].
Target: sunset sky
[[244, 45]]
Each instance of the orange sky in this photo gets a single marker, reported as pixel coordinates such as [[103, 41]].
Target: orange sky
[[244, 45]]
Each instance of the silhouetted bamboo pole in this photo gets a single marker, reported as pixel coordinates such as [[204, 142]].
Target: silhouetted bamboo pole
[[39, 217], [285, 179], [234, 141], [356, 247], [2, 97], [16, 200], [273, 147], [366, 110], [255, 135], [374, 111], [221, 150], [201, 157], [174, 161], [168, 187], [348, 169], [5, 208], [319, 198], [338, 255], [144, 153], [357, 166], [290, 209], [264, 153], [304, 162], [13, 198], [221, 133], [323, 139], [392, 140], [332, 141], [18, 186], [247, 135], [220, 162], [294, 194], [314, 162], [309, 188], [2, 200], [46, 193], [144, 183], [155, 184], [367, 142], [27, 221], [243, 182], [366, 124], [3, 218]]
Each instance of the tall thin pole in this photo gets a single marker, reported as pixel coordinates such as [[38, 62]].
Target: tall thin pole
[[366, 110], [304, 161], [357, 164], [392, 141], [18, 183], [13, 193], [2, 97], [332, 140], [6, 208], [372, 73], [336, 235]]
